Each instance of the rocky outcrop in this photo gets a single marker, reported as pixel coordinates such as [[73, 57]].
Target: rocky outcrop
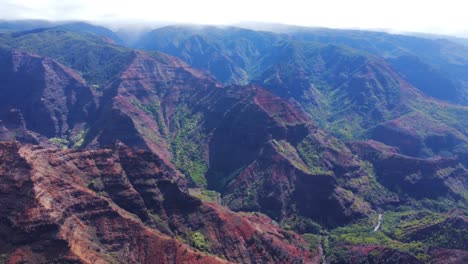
[[257, 147], [138, 106], [449, 256], [214, 135], [120, 205], [13, 127], [276, 161], [48, 98]]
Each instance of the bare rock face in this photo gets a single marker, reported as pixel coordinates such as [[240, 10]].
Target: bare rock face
[[150, 127], [190, 121], [13, 127], [265, 155], [449, 256], [217, 135], [50, 98], [124, 206], [138, 106]]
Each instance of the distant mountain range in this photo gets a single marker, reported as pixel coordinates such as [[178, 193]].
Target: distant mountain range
[[202, 144]]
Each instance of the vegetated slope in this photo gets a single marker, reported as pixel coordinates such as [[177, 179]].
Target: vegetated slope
[[119, 205], [256, 149], [408, 236], [214, 135], [228, 138], [415, 177], [76, 26], [345, 84], [438, 61], [354, 95], [230, 54], [261, 151], [161, 104], [345, 90], [181, 76], [139, 106], [91, 55], [86, 28]]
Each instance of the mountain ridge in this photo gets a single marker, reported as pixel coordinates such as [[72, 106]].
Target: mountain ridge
[[152, 132]]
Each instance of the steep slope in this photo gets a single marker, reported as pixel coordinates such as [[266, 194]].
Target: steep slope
[[213, 135], [233, 140], [43, 96], [138, 106], [439, 131], [230, 53], [119, 205], [92, 55], [415, 177], [347, 81], [440, 63], [255, 149], [428, 78], [77, 26], [153, 104], [342, 89], [348, 92], [345, 91], [444, 57], [275, 160]]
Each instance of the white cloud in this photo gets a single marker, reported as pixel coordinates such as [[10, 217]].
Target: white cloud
[[406, 15]]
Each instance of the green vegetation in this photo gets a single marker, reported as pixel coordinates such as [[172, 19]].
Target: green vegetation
[[291, 154], [96, 185], [65, 142], [310, 153], [154, 110], [338, 255], [97, 60], [198, 241], [247, 198], [301, 224], [314, 241], [439, 114], [367, 185], [4, 258], [78, 139], [185, 146], [206, 195], [440, 205], [414, 232], [75, 141], [59, 142], [278, 145]]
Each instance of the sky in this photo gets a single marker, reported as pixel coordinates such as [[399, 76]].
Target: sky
[[441, 17]]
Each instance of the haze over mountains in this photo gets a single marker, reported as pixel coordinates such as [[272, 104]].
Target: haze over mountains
[[224, 144]]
